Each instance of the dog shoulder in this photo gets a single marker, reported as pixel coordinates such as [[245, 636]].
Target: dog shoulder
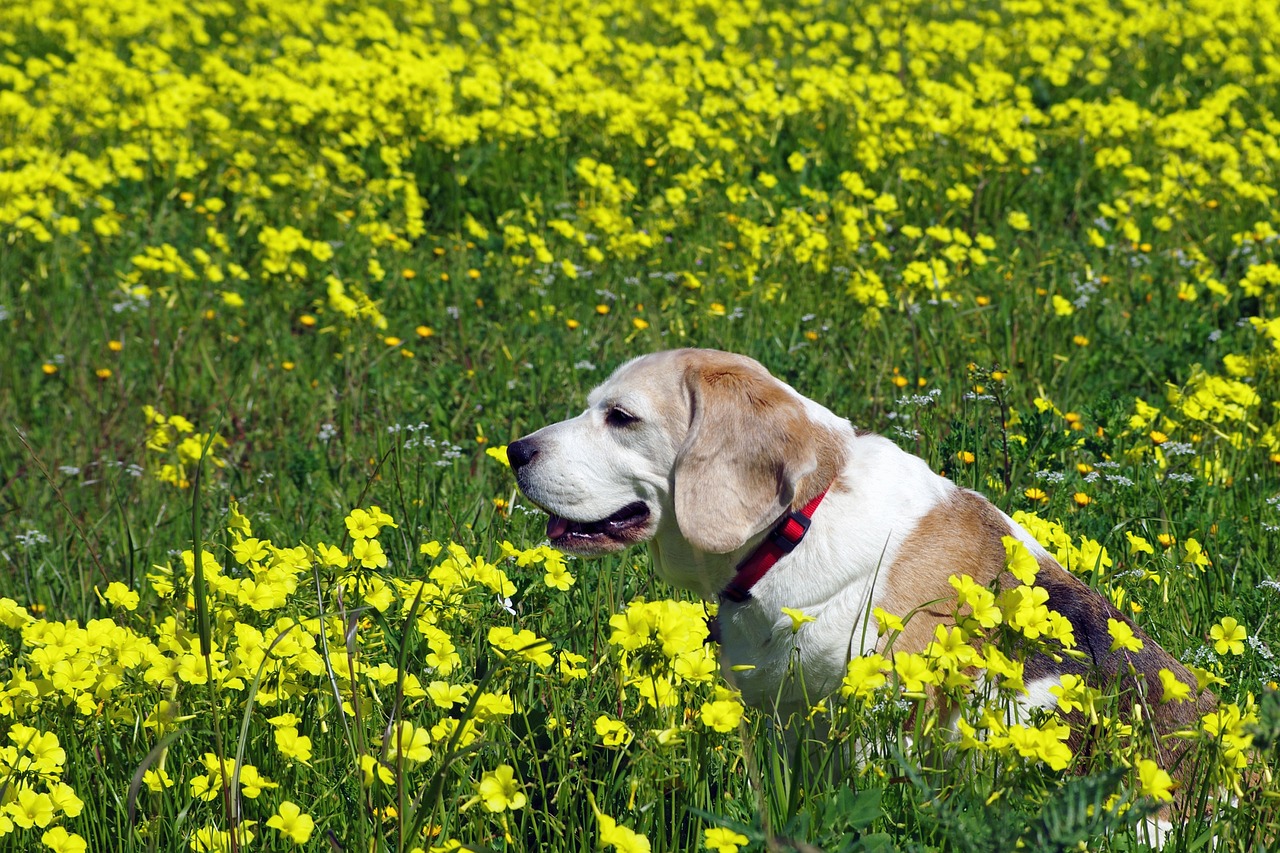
[[962, 534]]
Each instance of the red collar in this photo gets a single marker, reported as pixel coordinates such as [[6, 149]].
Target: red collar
[[779, 543]]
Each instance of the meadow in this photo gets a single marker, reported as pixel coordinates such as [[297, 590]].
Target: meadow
[[279, 280]]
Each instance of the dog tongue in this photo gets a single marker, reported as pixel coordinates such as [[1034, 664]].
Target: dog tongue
[[557, 527]]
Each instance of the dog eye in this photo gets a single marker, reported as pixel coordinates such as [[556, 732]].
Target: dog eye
[[617, 417]]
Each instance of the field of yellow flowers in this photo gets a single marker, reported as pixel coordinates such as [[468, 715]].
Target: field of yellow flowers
[[280, 278]]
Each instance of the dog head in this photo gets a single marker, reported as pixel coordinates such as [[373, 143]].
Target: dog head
[[697, 445]]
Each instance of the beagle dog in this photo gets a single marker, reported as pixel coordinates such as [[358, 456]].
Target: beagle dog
[[749, 493]]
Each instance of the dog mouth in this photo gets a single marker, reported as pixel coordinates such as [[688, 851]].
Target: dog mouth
[[618, 530]]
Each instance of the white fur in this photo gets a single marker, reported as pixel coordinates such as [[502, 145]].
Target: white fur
[[837, 575]]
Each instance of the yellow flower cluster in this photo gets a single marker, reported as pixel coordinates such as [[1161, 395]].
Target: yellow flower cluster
[[269, 645], [1087, 556], [359, 111], [662, 646], [177, 449], [980, 666], [36, 797]]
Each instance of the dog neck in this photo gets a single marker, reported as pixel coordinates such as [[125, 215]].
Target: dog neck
[[781, 541], [731, 576]]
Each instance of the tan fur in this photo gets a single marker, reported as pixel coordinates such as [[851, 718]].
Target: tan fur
[[960, 536], [750, 453], [963, 536]]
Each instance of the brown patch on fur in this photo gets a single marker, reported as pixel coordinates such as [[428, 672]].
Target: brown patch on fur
[[751, 453], [960, 536], [963, 536], [1133, 677]]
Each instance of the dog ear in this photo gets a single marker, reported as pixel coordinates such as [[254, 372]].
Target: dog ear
[[750, 451]]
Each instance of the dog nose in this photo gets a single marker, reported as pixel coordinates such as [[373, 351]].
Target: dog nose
[[520, 452]]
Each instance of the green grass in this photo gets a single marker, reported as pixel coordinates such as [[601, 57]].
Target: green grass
[[773, 174]]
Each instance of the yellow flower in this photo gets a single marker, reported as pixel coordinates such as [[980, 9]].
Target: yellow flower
[[121, 596], [1195, 553], [1020, 561], [157, 780], [1122, 637], [1019, 221], [524, 644], [722, 839], [1173, 689], [980, 600], [446, 695], [913, 671], [251, 551], [1036, 494], [798, 618], [293, 745], [1154, 782], [1081, 499], [864, 676], [59, 840], [1072, 693], [252, 783], [722, 714], [292, 822], [613, 834], [499, 453], [30, 808], [612, 732], [558, 576], [369, 553], [950, 649], [886, 621], [499, 790], [409, 742], [1138, 545], [1228, 636], [373, 769], [366, 524]]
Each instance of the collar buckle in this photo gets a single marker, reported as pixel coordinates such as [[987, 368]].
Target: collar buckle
[[788, 534]]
